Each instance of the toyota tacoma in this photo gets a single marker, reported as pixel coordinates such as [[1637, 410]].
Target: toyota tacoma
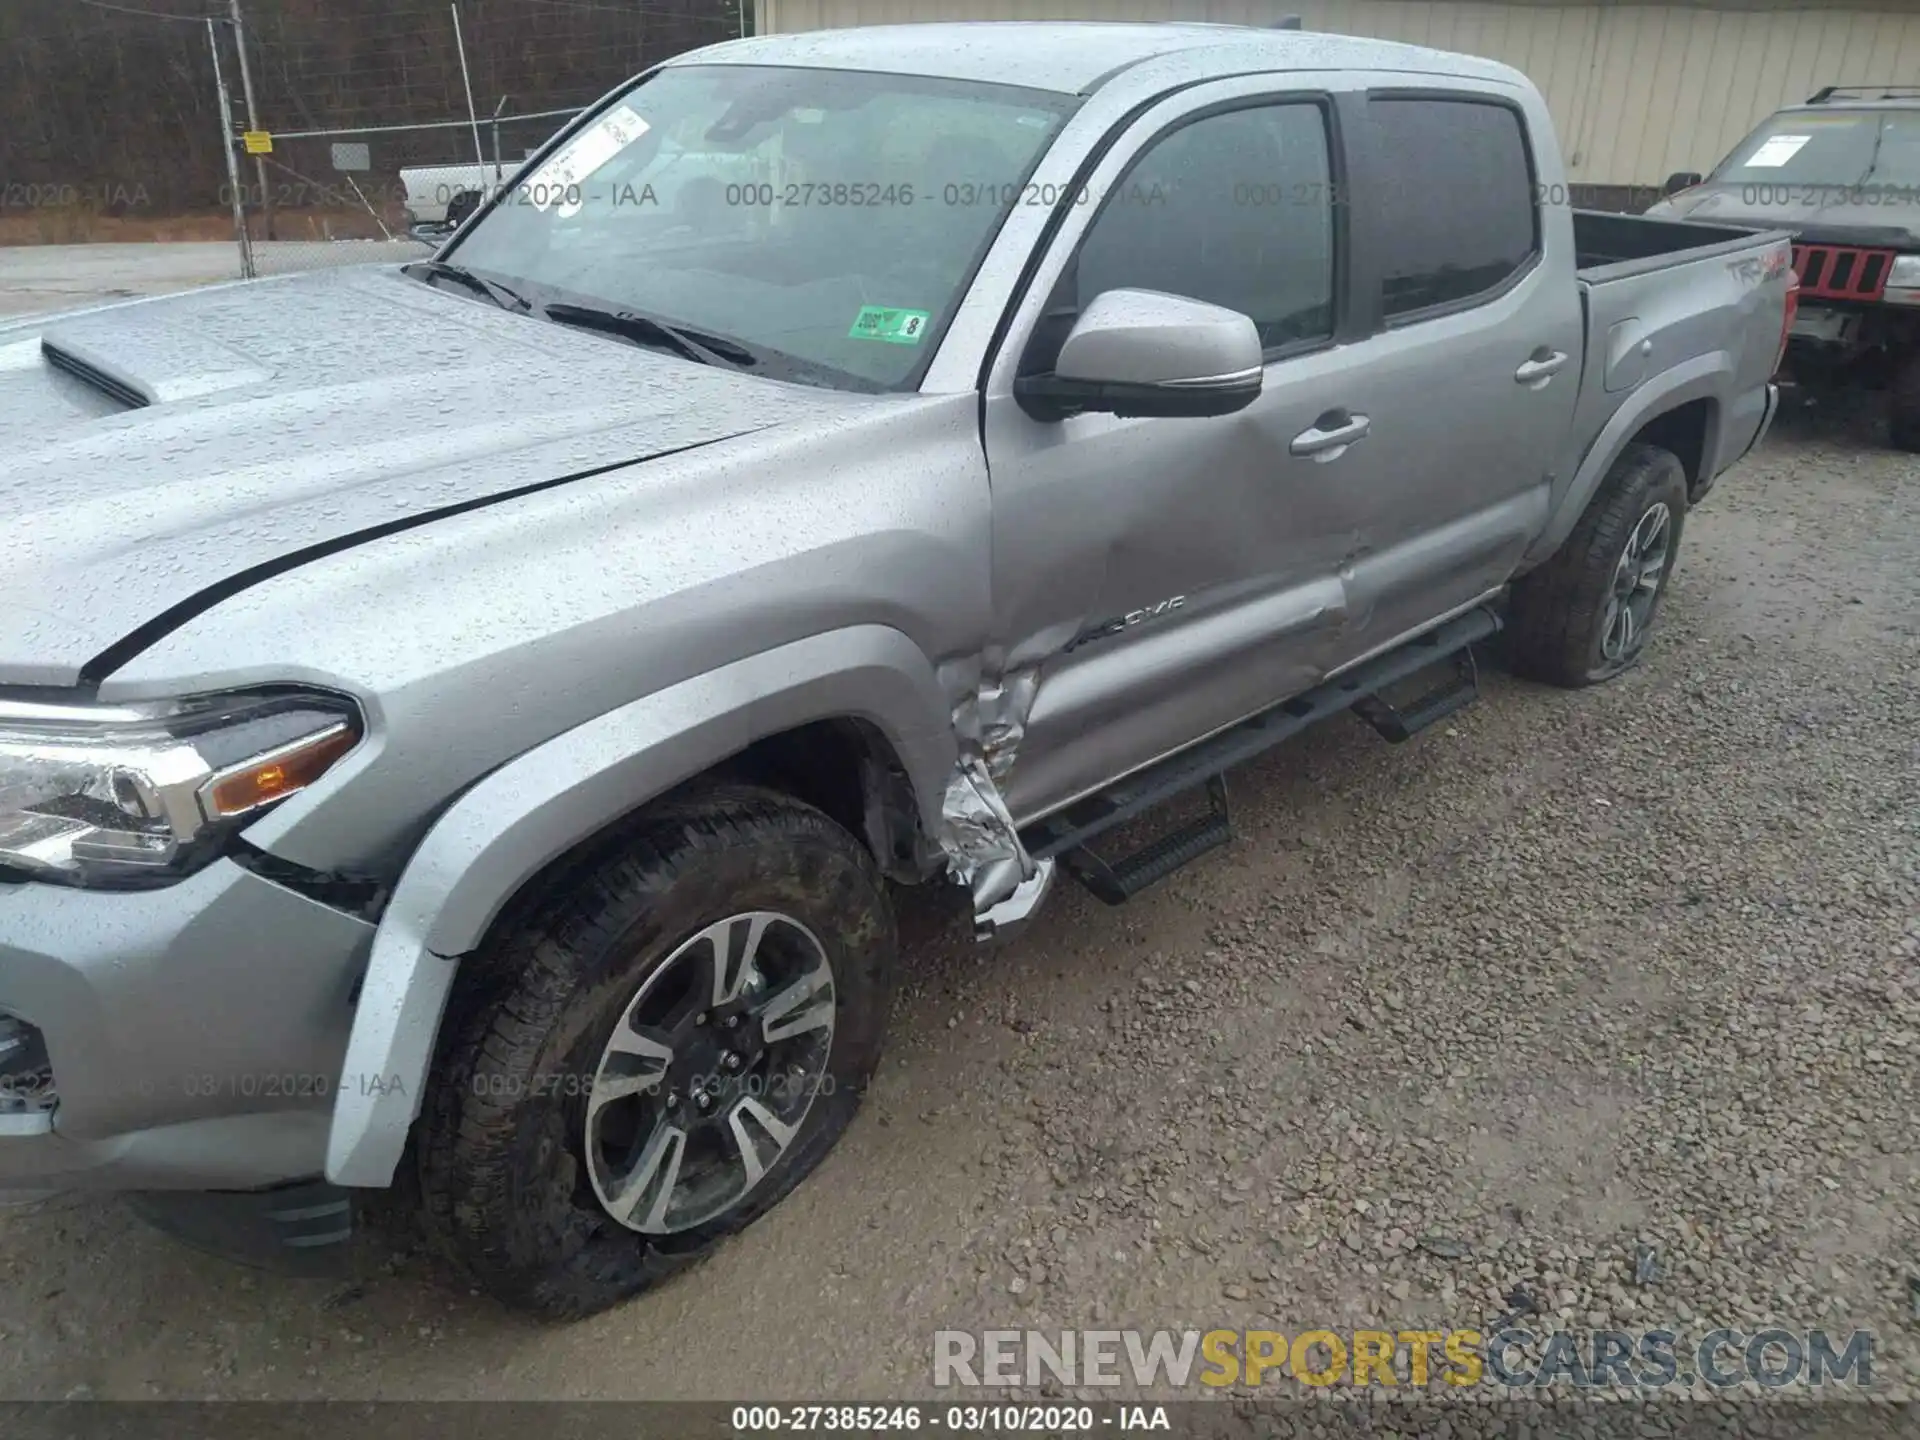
[[460, 721]]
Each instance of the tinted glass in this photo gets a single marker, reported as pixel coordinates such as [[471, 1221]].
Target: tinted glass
[[1235, 209], [1455, 200]]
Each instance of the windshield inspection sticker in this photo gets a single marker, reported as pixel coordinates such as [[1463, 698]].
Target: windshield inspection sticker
[[557, 185], [1776, 150], [896, 327]]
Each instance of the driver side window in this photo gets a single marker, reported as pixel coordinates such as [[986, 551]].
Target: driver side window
[[1235, 208]]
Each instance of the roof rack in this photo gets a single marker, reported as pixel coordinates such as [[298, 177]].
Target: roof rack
[[1864, 92]]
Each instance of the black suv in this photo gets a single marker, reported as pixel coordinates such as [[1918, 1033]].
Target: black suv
[[1842, 173]]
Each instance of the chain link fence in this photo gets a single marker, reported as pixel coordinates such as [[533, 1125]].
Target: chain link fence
[[375, 140], [306, 132]]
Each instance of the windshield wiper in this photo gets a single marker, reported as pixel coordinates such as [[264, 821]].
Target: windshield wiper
[[492, 290], [695, 345]]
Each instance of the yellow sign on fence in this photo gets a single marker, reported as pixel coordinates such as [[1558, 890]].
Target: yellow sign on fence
[[258, 142]]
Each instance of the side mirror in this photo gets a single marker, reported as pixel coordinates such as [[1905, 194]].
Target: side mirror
[[1142, 353], [1680, 180]]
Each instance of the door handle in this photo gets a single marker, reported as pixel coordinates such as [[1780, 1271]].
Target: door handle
[[1544, 365], [1329, 436]]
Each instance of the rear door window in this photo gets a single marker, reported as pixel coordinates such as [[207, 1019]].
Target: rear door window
[[1453, 205]]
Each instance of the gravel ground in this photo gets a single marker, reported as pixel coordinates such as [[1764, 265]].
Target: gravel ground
[[1604, 1004]]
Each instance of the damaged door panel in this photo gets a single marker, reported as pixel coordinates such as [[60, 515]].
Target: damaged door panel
[[1163, 578]]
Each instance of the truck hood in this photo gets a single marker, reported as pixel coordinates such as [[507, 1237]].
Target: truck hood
[[163, 454], [1826, 218]]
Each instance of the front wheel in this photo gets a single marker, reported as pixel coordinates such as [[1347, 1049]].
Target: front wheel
[[658, 1053], [1585, 615]]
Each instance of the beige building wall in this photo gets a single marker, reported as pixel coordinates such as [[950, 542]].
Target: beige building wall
[[1638, 91]]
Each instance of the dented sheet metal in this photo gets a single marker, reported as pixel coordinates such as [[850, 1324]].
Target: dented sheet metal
[[978, 833], [992, 721]]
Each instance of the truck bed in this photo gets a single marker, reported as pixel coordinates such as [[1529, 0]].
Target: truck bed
[[1659, 295], [1603, 241]]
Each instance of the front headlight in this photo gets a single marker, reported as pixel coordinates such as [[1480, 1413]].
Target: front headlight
[[144, 793], [1904, 273]]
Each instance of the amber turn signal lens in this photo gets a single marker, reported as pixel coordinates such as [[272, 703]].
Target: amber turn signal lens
[[270, 777]]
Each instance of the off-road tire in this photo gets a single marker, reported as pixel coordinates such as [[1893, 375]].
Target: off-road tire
[[1903, 406], [500, 1150], [1557, 617]]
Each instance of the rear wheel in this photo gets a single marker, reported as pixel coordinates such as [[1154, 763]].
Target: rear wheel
[[1585, 615], [658, 1055]]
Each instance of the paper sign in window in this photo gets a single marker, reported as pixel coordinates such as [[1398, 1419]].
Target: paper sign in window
[[1776, 151], [557, 185]]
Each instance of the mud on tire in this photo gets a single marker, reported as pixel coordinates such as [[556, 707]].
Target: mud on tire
[[1563, 624], [502, 1149]]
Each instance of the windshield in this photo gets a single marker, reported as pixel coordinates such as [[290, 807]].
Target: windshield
[[826, 222], [1847, 148]]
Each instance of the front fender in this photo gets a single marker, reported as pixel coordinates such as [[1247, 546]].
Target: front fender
[[511, 825], [1705, 377]]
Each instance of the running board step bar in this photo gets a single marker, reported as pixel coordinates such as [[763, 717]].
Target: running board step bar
[[1119, 881], [1067, 834], [1400, 723]]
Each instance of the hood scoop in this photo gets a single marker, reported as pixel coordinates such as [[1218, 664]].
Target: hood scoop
[[140, 360], [113, 386]]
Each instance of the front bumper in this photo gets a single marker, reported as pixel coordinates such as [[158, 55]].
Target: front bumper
[[195, 1032]]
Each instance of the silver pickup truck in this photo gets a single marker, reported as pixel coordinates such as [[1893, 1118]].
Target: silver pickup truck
[[458, 721]]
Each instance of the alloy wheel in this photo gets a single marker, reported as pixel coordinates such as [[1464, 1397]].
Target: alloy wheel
[[1637, 578], [709, 1073]]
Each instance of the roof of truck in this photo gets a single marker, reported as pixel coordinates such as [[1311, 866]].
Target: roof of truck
[[1076, 57]]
